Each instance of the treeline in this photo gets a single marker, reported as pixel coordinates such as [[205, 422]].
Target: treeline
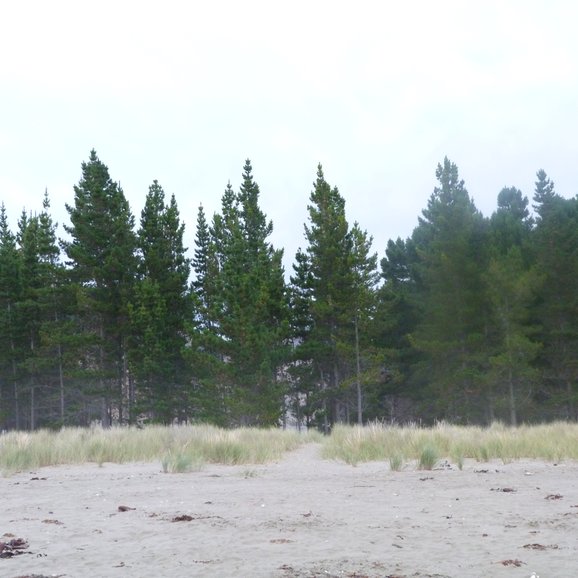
[[471, 319]]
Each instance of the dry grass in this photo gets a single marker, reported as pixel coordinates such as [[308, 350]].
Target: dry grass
[[178, 448], [551, 442], [189, 448]]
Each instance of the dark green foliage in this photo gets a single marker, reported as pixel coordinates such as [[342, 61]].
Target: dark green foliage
[[102, 261], [10, 288], [242, 310], [472, 319], [159, 313], [451, 241], [555, 240], [332, 300]]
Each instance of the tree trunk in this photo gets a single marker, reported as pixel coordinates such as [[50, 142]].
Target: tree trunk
[[61, 384], [32, 409], [358, 375], [512, 396]]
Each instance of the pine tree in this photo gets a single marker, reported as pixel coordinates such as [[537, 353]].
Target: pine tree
[[555, 239], [101, 253], [364, 275], [39, 274], [451, 241], [329, 254], [205, 269], [544, 194], [512, 283], [398, 311], [160, 311], [302, 396], [29, 314], [56, 354], [9, 323], [511, 223], [512, 288], [247, 307]]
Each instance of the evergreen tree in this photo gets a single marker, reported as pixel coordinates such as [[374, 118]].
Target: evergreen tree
[[28, 307], [555, 239], [544, 195], [512, 287], [331, 294], [248, 309], [302, 397], [9, 323], [398, 311], [364, 276], [160, 311], [205, 353], [511, 223], [38, 308], [57, 353], [451, 241], [205, 269], [512, 284], [101, 253]]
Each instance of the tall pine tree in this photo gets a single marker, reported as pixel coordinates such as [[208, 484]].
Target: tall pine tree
[[246, 308], [555, 239], [160, 312], [451, 241], [101, 252]]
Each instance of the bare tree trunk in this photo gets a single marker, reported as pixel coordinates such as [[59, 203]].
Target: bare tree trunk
[[14, 372], [513, 413], [571, 407], [61, 383], [15, 386], [32, 409], [325, 405], [358, 375]]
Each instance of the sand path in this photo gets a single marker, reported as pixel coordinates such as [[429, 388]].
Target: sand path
[[299, 517]]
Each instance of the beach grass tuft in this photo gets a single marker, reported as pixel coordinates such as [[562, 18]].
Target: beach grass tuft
[[428, 457]]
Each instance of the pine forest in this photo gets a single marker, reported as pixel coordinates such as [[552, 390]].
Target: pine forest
[[472, 319]]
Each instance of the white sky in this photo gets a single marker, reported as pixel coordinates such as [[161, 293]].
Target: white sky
[[377, 91]]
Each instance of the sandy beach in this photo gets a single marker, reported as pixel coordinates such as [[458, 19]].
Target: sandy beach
[[300, 517]]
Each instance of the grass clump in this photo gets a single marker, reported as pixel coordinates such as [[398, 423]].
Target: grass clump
[[181, 463], [395, 463], [428, 457]]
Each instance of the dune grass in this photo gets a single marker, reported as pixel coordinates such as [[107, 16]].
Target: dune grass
[[178, 448], [189, 448], [551, 442]]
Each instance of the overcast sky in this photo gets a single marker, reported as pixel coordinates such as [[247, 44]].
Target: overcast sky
[[377, 91]]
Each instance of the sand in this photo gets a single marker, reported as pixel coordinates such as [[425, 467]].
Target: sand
[[300, 517]]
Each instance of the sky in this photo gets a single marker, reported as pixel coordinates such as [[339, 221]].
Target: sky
[[378, 92]]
